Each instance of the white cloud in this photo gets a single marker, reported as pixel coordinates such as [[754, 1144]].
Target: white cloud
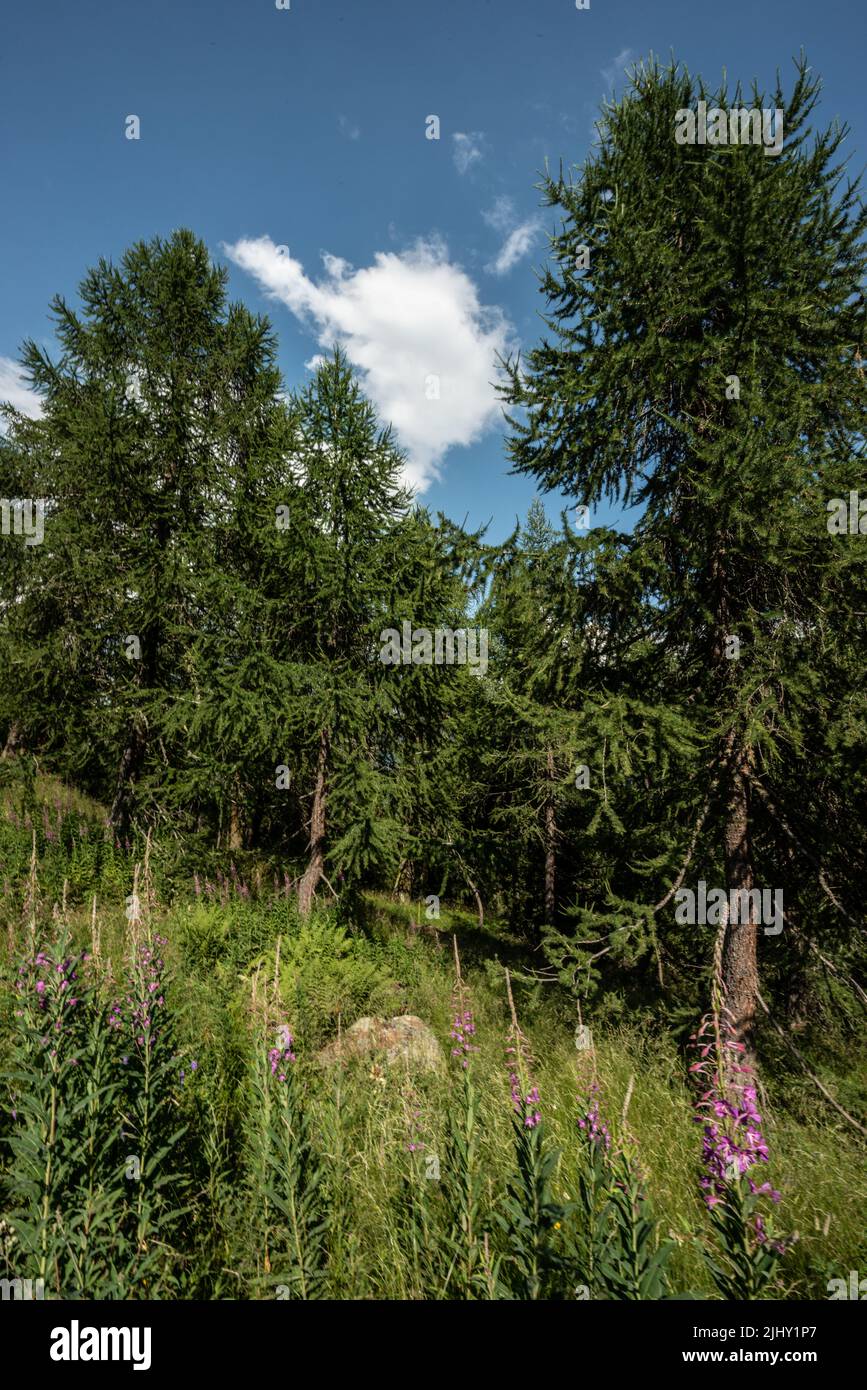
[[349, 129], [502, 215], [617, 67], [14, 389], [515, 247], [411, 324], [609, 74], [519, 235], [467, 149]]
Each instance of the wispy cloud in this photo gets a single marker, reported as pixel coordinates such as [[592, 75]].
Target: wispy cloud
[[610, 75], [617, 67], [349, 128], [408, 320], [15, 391], [468, 149], [520, 235]]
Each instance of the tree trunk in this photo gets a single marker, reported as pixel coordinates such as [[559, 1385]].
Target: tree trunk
[[740, 974], [316, 864], [550, 840], [236, 822], [131, 761], [14, 741], [739, 963], [236, 834]]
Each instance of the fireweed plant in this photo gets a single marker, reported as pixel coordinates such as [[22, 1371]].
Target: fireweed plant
[[144, 1042], [746, 1253], [420, 1197], [54, 1179], [286, 1196], [91, 1096], [588, 1217], [463, 1180], [448, 1217], [338, 1147], [612, 1234], [529, 1216]]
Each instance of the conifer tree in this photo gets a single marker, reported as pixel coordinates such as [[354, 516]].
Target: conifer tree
[[359, 561], [706, 323], [147, 413], [554, 757]]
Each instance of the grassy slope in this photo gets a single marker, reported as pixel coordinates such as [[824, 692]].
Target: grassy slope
[[216, 950]]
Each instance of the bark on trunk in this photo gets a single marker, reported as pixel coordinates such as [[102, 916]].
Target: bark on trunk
[[740, 963], [316, 864], [236, 821], [550, 841], [740, 975], [132, 759], [14, 742], [131, 762]]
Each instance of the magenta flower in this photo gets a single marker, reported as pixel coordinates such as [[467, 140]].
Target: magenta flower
[[462, 1030], [595, 1130], [732, 1142], [136, 1013], [519, 1062], [281, 1054], [525, 1106]]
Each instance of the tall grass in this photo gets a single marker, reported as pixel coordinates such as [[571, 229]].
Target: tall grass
[[167, 1129]]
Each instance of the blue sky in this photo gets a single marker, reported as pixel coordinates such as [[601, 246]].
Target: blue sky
[[305, 129]]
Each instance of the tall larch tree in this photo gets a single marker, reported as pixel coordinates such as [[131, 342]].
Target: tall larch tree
[[706, 322]]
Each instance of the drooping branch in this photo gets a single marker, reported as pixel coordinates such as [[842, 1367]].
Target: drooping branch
[[778, 816], [698, 826], [812, 1075]]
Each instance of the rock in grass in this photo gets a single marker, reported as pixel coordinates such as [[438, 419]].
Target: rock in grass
[[405, 1039]]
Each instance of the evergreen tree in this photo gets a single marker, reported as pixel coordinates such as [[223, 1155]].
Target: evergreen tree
[[707, 324], [567, 726], [148, 414], [359, 561]]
